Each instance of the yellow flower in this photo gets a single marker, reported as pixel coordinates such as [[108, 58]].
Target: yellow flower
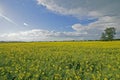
[[105, 79]]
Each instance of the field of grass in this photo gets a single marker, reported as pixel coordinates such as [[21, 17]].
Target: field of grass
[[60, 61]]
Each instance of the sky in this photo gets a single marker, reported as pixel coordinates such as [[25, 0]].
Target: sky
[[49, 20]]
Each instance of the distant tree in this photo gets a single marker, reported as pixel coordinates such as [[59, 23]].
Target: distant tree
[[108, 34]]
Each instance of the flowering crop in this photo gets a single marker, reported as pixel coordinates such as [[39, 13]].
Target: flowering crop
[[60, 61]]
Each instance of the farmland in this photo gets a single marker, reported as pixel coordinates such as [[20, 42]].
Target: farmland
[[60, 61]]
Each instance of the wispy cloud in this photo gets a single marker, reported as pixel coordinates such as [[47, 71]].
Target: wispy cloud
[[7, 19]]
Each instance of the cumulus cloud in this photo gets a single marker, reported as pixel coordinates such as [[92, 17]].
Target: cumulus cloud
[[78, 27]]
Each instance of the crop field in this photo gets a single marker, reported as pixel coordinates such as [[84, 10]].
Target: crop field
[[60, 61]]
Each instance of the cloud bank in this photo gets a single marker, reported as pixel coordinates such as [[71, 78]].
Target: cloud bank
[[41, 35]]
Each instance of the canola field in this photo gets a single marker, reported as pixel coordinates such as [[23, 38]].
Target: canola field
[[60, 61]]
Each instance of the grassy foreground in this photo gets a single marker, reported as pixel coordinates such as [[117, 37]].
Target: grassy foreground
[[60, 61]]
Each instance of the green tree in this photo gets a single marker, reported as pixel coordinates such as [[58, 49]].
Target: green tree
[[108, 34]]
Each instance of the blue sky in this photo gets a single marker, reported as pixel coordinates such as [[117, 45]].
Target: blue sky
[[39, 20], [36, 16]]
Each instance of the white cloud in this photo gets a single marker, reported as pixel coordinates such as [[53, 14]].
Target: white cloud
[[26, 35], [25, 24], [41, 35], [62, 7], [79, 8], [78, 27]]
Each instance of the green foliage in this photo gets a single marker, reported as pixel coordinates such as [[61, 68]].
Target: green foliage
[[108, 34], [60, 61]]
